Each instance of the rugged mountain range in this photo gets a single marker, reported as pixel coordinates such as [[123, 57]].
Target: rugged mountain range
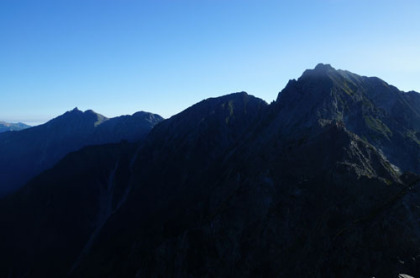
[[27, 153], [323, 182], [12, 126]]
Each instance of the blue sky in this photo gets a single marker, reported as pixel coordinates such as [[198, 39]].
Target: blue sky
[[121, 56]]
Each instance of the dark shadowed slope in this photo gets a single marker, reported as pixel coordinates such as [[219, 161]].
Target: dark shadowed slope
[[298, 193], [89, 186], [269, 205], [29, 152], [309, 186], [56, 214]]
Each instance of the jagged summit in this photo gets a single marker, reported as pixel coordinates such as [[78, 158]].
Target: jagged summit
[[319, 70], [379, 113], [77, 111], [76, 118], [74, 111], [323, 67]]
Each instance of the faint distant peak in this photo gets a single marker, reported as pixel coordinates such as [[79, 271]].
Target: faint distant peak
[[5, 126], [14, 123]]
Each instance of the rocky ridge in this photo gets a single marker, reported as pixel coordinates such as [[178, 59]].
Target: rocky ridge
[[321, 183]]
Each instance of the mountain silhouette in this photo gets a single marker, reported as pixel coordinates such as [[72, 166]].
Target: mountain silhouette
[[29, 152], [323, 182]]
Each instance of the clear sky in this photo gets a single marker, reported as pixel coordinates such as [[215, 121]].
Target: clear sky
[[121, 56]]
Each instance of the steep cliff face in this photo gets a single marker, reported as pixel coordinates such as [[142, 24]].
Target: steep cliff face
[[369, 107], [313, 185]]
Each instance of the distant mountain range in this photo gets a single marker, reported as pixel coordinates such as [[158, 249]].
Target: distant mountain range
[[323, 182], [27, 153], [12, 126]]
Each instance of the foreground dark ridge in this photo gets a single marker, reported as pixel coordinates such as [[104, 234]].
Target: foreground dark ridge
[[321, 183]]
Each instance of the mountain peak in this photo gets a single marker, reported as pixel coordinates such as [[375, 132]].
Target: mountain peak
[[75, 110], [76, 117], [319, 70], [323, 67]]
